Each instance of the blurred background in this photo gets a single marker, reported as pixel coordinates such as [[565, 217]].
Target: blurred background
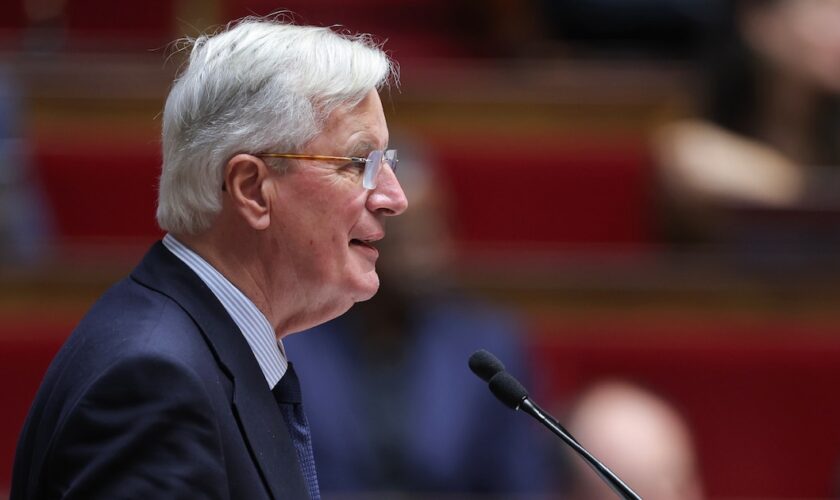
[[634, 203]]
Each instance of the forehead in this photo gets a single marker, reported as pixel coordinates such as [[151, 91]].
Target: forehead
[[357, 126]]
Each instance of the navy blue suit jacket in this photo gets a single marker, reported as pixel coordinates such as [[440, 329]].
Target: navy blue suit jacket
[[156, 394]]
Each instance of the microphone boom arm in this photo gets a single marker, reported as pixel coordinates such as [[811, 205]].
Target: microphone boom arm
[[512, 394], [602, 470]]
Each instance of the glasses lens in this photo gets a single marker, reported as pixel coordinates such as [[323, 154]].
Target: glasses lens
[[372, 166], [391, 158]]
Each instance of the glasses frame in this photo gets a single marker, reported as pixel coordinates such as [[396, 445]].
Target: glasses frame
[[373, 162]]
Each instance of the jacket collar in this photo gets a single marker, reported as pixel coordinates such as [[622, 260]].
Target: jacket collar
[[254, 406]]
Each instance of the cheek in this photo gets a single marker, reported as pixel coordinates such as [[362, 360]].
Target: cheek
[[346, 215], [327, 217], [331, 240]]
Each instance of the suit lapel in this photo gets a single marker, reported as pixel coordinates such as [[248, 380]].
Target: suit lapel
[[259, 417]]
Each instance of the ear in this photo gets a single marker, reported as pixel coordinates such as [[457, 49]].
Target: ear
[[246, 180]]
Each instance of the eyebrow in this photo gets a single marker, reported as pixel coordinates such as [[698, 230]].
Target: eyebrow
[[361, 149]]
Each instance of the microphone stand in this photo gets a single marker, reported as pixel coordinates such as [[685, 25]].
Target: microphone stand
[[602, 470]]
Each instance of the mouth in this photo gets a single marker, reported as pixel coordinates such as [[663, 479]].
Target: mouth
[[364, 244]]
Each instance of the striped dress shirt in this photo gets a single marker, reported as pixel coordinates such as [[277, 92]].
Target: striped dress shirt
[[270, 354]]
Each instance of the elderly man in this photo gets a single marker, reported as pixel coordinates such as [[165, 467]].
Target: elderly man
[[276, 182]]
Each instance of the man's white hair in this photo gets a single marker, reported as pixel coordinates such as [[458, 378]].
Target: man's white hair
[[260, 85]]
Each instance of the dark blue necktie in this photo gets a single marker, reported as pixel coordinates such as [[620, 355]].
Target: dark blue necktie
[[287, 394]]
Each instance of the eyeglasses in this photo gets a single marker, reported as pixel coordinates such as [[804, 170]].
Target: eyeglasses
[[372, 164]]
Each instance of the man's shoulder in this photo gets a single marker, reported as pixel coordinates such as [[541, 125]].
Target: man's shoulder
[[131, 311], [131, 321], [130, 330]]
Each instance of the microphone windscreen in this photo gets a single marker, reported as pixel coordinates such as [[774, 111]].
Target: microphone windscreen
[[485, 365], [509, 391]]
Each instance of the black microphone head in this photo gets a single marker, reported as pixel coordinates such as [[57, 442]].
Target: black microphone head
[[485, 365], [509, 391]]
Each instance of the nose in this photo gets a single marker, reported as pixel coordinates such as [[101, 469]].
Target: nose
[[387, 197]]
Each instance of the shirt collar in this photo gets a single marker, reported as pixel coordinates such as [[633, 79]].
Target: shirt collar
[[269, 352]]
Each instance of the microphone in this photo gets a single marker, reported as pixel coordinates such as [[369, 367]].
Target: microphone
[[513, 394], [485, 365]]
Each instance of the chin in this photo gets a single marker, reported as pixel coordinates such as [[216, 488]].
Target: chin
[[366, 287]]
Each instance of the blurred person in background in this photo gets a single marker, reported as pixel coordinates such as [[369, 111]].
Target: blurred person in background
[[23, 220], [770, 135], [276, 183], [398, 409], [640, 437]]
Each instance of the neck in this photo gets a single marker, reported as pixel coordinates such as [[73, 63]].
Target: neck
[[234, 255]]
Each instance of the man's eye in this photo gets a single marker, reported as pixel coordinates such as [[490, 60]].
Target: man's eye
[[353, 170], [353, 166]]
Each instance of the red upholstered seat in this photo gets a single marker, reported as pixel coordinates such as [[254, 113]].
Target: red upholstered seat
[[12, 15], [87, 24], [554, 194], [100, 194], [150, 21], [760, 399]]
